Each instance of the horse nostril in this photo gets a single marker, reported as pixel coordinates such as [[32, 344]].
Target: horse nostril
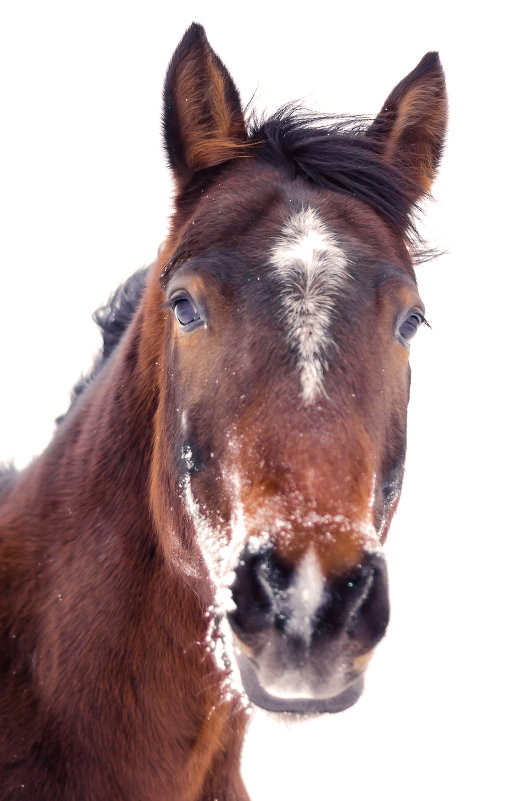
[[260, 583], [358, 603]]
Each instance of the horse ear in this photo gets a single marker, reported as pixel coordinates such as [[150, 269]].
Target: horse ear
[[411, 126], [203, 122]]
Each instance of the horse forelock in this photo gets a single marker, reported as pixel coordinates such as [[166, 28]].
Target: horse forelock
[[335, 153]]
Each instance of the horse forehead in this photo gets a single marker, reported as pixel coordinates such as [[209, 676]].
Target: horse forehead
[[311, 267], [306, 245]]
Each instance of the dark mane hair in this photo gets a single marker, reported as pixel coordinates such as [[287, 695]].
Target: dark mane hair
[[336, 153], [113, 319]]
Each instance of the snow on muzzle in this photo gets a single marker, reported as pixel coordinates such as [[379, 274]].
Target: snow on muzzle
[[303, 639]]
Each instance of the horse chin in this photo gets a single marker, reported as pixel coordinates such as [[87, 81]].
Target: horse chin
[[303, 704]]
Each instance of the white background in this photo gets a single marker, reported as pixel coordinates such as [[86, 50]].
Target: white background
[[84, 201]]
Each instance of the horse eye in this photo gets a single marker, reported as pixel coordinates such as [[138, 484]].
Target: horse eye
[[185, 311], [408, 328]]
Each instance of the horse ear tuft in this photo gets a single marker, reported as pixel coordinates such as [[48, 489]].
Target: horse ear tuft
[[411, 126], [203, 122]]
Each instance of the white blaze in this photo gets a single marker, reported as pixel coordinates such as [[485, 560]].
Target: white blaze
[[305, 596], [312, 268]]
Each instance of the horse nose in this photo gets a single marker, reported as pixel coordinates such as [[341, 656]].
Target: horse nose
[[301, 604]]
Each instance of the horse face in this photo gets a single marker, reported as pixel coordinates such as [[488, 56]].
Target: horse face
[[291, 310], [290, 367]]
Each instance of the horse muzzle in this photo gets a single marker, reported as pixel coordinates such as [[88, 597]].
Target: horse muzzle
[[304, 640]]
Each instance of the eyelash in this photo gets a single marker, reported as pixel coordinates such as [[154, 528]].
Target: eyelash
[[411, 328]]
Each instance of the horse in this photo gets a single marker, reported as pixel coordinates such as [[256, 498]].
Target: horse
[[204, 533]]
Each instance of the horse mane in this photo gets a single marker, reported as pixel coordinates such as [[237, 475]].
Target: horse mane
[[8, 474], [113, 319], [335, 152]]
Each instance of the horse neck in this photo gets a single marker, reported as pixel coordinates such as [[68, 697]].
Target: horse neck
[[89, 600], [78, 514], [93, 473]]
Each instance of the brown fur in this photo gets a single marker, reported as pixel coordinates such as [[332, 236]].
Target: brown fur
[[412, 123], [106, 690], [210, 124]]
